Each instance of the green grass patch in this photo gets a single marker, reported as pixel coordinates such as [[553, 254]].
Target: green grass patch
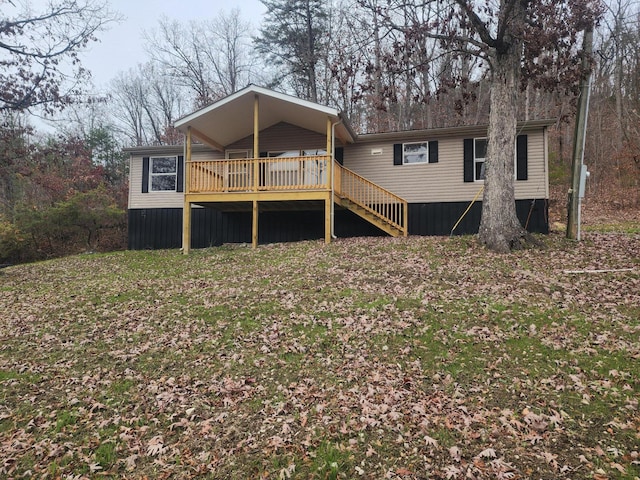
[[64, 419], [331, 461], [323, 361], [25, 378], [106, 454], [121, 387], [627, 227]]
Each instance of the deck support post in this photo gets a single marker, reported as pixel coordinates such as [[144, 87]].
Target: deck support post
[[254, 227], [186, 228], [186, 210], [327, 220], [405, 219]]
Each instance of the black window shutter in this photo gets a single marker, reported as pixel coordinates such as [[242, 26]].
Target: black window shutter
[[339, 155], [468, 159], [180, 178], [145, 174], [522, 153], [433, 151], [397, 154]]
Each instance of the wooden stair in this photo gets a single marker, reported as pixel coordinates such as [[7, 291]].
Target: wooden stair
[[373, 203], [362, 212]]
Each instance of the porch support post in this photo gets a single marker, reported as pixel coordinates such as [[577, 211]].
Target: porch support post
[[186, 210], [254, 227], [256, 144], [329, 152], [328, 202]]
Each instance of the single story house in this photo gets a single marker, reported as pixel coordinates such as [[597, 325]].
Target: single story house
[[269, 167]]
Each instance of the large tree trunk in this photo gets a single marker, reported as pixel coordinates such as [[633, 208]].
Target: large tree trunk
[[500, 229]]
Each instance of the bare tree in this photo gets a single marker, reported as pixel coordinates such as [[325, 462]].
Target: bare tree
[[514, 39], [145, 103], [403, 76], [39, 50], [210, 58], [613, 148], [128, 95], [616, 54]]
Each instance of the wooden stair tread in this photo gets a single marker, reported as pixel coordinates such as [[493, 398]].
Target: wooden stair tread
[[383, 225]]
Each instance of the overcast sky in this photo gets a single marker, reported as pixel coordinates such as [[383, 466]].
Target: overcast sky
[[121, 47]]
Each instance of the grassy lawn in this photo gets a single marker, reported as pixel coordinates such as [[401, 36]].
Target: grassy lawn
[[368, 358]]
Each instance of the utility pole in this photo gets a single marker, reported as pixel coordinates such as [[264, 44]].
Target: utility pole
[[579, 137]]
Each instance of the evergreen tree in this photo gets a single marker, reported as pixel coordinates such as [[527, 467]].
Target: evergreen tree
[[294, 38]]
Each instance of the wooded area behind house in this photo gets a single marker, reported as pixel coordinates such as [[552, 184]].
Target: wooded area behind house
[[374, 60]]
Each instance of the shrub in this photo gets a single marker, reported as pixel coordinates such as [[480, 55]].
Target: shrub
[[11, 241], [85, 221]]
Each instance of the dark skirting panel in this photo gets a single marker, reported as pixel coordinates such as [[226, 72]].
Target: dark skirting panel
[[157, 228], [440, 218]]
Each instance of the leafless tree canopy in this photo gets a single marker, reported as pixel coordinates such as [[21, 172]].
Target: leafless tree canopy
[[210, 58], [39, 50]]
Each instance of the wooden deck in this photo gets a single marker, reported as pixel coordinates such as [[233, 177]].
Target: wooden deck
[[293, 179]]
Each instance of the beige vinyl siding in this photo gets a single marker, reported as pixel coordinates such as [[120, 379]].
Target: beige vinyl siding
[[137, 199], [536, 185], [442, 181], [281, 137], [417, 183]]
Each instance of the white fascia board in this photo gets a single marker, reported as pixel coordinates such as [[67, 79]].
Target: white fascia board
[[260, 91]]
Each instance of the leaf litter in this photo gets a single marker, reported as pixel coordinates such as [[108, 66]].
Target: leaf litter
[[367, 358]]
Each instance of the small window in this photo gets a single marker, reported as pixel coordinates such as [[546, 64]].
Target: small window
[[417, 152], [163, 174], [479, 155]]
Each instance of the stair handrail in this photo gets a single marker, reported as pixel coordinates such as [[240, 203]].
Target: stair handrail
[[388, 211]]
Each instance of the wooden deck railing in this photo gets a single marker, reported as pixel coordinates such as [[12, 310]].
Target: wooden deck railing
[[272, 174], [376, 200], [295, 174]]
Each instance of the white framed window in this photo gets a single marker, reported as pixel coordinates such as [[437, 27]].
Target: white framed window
[[475, 153], [479, 156], [415, 152], [163, 174]]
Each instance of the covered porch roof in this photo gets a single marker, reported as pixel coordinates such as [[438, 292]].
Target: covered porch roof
[[232, 118]]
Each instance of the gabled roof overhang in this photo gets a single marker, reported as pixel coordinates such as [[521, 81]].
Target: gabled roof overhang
[[232, 118]]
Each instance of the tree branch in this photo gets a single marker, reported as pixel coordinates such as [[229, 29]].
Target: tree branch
[[479, 26]]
